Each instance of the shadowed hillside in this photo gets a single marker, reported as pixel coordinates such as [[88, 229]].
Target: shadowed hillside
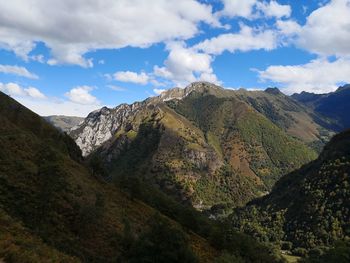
[[307, 208]]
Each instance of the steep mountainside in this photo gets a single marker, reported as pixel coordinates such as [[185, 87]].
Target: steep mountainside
[[55, 209], [293, 117], [202, 144], [309, 207], [64, 123], [334, 105]]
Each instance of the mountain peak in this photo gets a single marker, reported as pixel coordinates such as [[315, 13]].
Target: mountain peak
[[199, 87], [274, 91], [342, 88]]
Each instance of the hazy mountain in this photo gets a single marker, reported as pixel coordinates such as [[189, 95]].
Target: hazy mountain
[[309, 207], [203, 144], [334, 105], [64, 123], [53, 208]]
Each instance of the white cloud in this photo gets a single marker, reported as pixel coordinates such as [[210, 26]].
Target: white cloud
[[34, 93], [15, 90], [252, 9], [318, 76], [233, 8], [247, 39], [327, 30], [288, 27], [129, 76], [12, 89], [184, 65], [16, 70], [73, 28], [274, 9], [158, 91], [81, 95]]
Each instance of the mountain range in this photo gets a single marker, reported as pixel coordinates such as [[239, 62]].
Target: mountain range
[[334, 106], [205, 145], [131, 182], [56, 208]]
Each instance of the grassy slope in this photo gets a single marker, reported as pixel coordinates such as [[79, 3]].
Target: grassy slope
[[240, 131], [291, 116]]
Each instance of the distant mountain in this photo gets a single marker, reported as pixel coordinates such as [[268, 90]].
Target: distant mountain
[[54, 208], [64, 123], [204, 145], [307, 208], [334, 105], [295, 118]]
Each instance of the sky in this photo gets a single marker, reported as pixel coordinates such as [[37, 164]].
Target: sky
[[70, 57]]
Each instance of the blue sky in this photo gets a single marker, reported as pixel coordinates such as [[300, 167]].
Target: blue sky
[[73, 56]]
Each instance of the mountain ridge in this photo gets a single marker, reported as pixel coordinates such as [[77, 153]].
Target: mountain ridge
[[206, 151], [333, 105]]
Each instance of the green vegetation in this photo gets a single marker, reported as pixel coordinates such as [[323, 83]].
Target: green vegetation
[[271, 148], [307, 209], [340, 253], [233, 128], [53, 208]]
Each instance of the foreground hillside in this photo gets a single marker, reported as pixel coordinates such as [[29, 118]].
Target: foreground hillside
[[307, 208], [203, 145], [54, 209]]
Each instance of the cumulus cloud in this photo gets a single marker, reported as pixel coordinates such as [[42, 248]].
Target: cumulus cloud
[[240, 8], [252, 9], [133, 77], [327, 30], [274, 9], [184, 65], [73, 28], [15, 90], [288, 27], [245, 40], [34, 93], [81, 95], [318, 76], [16, 70], [80, 102]]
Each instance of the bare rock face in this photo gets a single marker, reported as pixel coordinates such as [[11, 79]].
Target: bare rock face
[[100, 125]]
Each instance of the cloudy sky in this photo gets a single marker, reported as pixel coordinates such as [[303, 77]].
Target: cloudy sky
[[73, 56]]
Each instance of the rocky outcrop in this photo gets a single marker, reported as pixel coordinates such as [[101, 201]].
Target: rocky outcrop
[[100, 125]]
